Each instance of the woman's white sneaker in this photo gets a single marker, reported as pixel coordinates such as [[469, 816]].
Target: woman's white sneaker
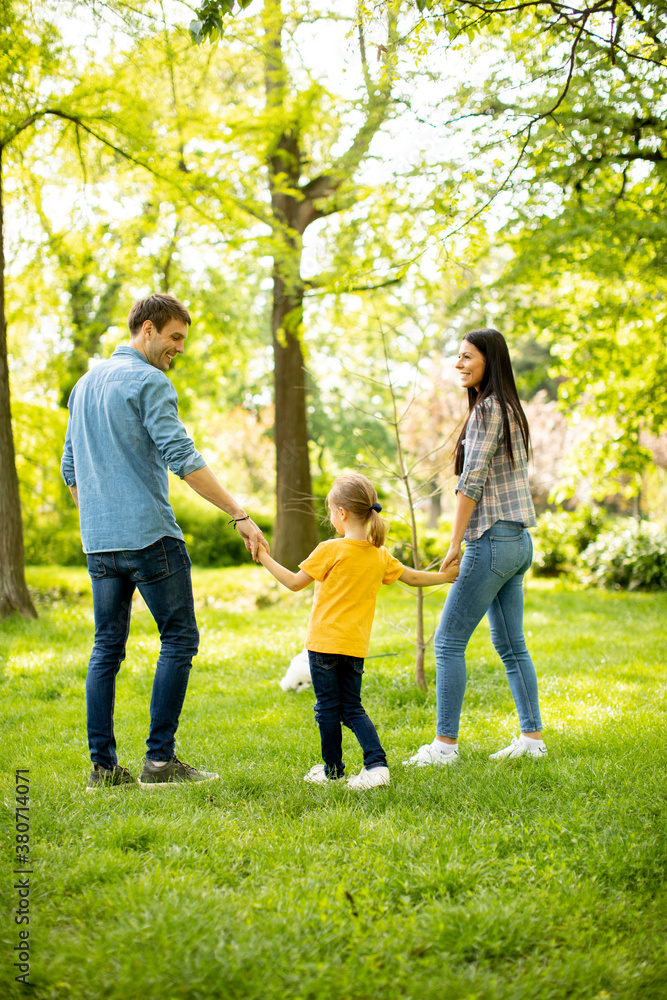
[[430, 754], [369, 779], [519, 747]]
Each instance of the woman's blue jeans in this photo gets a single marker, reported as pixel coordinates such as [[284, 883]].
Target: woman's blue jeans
[[490, 582], [337, 685], [161, 572]]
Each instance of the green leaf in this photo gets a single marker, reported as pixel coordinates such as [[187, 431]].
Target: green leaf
[[196, 32]]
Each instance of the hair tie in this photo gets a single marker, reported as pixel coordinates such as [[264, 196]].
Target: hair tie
[[377, 507]]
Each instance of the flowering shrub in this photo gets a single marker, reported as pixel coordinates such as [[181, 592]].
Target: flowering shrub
[[561, 536], [632, 557]]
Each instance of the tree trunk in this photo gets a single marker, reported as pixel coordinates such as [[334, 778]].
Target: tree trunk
[[294, 206], [14, 594], [295, 532], [420, 673]]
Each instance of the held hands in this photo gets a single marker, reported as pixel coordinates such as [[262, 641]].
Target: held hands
[[252, 537], [450, 573], [452, 560]]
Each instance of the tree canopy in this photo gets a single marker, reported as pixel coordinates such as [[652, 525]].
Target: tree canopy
[[443, 166]]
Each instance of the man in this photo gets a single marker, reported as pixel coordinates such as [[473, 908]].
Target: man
[[122, 435]]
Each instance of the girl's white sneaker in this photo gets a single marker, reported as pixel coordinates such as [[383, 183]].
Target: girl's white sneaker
[[519, 746], [316, 776], [369, 779]]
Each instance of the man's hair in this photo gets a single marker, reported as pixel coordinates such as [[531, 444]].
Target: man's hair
[[159, 309]]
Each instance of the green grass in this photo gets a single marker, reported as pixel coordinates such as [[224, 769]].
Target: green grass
[[515, 881]]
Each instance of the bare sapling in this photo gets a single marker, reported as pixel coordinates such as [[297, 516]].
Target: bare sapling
[[422, 442]]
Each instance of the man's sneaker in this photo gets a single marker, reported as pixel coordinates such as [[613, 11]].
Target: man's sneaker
[[428, 754], [316, 776], [519, 746], [369, 779], [174, 772], [102, 777]]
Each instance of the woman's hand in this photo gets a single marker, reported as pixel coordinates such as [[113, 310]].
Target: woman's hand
[[454, 556], [464, 508]]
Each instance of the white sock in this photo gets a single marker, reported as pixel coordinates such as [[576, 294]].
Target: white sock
[[159, 763], [444, 748], [531, 739]]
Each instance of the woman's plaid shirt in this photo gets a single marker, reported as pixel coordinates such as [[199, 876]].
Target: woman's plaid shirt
[[499, 489]]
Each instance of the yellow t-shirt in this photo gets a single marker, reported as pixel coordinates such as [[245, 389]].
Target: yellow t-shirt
[[348, 574]]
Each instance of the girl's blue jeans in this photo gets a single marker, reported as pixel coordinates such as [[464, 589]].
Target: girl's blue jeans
[[337, 685], [490, 582]]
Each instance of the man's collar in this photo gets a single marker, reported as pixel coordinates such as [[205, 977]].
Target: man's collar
[[130, 352]]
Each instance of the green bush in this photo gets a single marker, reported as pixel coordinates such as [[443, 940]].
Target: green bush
[[633, 557], [432, 545], [211, 541], [561, 536], [53, 540]]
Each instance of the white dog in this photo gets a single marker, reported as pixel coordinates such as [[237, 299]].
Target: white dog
[[298, 673]]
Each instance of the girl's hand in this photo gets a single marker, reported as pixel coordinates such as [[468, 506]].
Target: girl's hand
[[454, 556], [254, 540]]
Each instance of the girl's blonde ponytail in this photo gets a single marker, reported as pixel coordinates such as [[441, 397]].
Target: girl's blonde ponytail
[[356, 494], [377, 529]]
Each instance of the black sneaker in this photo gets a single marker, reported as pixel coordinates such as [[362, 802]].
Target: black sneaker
[[174, 772], [102, 777]]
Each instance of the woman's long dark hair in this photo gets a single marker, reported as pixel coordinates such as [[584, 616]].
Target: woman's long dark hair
[[498, 381]]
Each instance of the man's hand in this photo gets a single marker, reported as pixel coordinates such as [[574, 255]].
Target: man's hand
[[252, 536], [75, 495], [203, 482]]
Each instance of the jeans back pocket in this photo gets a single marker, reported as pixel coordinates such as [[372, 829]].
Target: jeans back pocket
[[96, 567], [506, 555], [149, 564]]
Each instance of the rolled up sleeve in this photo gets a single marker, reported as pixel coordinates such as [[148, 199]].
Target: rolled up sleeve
[[482, 438], [158, 407], [67, 470]]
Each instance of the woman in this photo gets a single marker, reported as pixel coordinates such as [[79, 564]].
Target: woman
[[493, 512]]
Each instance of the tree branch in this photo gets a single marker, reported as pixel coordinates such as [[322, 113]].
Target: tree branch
[[368, 82], [79, 122], [377, 105], [355, 288], [573, 53]]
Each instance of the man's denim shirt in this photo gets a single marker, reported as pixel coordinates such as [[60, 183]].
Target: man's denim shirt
[[122, 435]]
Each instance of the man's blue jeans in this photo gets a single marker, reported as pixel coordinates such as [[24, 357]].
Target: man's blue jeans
[[161, 572], [337, 685], [490, 582]]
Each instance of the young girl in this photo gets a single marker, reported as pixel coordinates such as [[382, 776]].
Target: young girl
[[348, 572]]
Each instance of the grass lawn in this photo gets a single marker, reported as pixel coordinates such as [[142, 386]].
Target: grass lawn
[[499, 881]]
